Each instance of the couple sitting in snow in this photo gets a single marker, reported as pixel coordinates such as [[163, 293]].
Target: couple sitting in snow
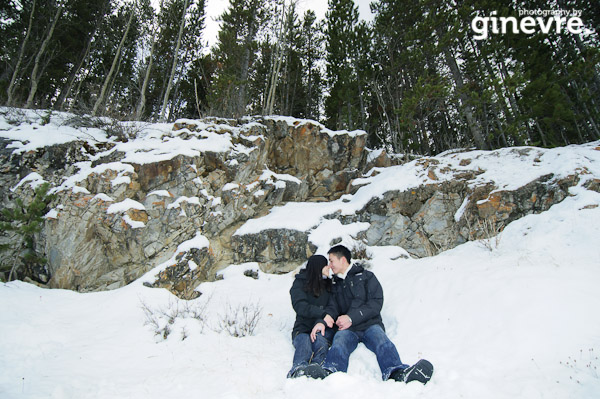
[[334, 315]]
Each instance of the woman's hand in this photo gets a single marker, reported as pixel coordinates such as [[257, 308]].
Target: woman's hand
[[329, 321], [318, 328]]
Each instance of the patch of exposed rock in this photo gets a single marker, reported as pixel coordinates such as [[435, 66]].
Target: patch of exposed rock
[[123, 209]]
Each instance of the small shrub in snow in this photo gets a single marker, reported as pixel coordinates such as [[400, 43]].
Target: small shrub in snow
[[360, 251], [445, 244], [488, 231], [164, 321], [587, 366], [240, 321], [45, 118]]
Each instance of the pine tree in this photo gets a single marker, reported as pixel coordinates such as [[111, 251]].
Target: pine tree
[[115, 63], [80, 30], [17, 68], [175, 62], [25, 222], [35, 74], [154, 27], [179, 67], [341, 19], [311, 53], [235, 54]]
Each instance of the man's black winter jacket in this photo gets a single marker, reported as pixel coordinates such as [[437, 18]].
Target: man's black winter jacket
[[359, 296], [308, 307]]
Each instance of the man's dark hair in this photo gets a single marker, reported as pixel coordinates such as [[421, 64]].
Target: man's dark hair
[[339, 251]]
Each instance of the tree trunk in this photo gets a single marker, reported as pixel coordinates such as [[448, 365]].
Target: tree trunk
[[116, 59], [276, 67], [361, 102], [174, 66], [177, 101], [142, 104], [84, 57], [240, 108], [34, 74], [11, 87], [467, 109], [71, 81]]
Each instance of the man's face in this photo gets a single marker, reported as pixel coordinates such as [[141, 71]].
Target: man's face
[[338, 265]]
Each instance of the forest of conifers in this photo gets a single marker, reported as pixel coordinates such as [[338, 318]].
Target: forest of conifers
[[416, 78]]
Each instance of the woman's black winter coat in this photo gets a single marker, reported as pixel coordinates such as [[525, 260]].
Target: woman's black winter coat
[[309, 308]]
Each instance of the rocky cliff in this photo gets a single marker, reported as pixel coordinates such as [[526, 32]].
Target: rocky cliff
[[190, 198]]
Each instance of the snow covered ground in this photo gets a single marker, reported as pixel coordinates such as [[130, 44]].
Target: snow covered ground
[[518, 321]]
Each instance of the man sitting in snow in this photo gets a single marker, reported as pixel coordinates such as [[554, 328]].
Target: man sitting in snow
[[355, 307]]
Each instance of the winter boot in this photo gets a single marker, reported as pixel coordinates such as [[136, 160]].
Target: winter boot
[[421, 371], [314, 370], [299, 372]]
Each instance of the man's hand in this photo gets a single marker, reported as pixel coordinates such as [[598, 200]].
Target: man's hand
[[343, 322], [329, 321], [318, 328]]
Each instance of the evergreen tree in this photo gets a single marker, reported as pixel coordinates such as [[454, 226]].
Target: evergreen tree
[[311, 53], [186, 60], [191, 84], [341, 20], [287, 75], [25, 222], [83, 20], [235, 55]]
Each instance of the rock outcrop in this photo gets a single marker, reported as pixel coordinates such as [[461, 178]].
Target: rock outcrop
[[179, 201], [124, 208]]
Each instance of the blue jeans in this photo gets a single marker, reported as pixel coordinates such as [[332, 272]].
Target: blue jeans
[[375, 339], [310, 352]]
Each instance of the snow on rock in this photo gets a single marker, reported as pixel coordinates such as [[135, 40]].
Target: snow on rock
[[103, 197], [31, 133], [269, 175], [184, 199], [124, 206], [134, 224], [160, 193], [295, 122], [199, 241], [34, 180]]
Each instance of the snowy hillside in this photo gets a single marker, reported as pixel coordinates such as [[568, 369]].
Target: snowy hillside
[[514, 317]]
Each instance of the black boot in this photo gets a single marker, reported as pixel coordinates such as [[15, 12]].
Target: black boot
[[421, 371], [314, 370], [299, 372], [397, 375]]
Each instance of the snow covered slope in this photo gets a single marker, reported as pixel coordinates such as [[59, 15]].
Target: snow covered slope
[[515, 317], [517, 320]]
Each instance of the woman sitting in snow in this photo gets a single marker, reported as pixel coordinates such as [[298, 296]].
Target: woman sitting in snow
[[310, 294]]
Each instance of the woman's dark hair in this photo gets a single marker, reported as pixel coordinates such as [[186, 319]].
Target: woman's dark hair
[[315, 283]]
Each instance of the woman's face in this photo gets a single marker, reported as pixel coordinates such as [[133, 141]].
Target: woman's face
[[325, 271]]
